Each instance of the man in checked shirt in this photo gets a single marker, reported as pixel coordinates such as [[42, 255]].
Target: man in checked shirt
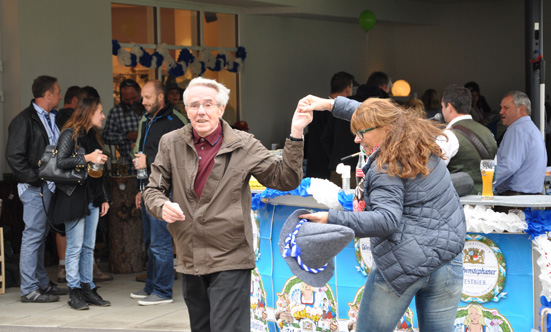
[[121, 127]]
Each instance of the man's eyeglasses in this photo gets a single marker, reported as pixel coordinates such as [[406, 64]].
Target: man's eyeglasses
[[207, 106], [360, 133]]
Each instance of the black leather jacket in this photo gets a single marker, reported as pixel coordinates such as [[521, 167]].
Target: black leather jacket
[[68, 159], [27, 140]]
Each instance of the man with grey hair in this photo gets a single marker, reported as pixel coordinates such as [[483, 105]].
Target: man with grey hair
[[206, 165], [521, 156]]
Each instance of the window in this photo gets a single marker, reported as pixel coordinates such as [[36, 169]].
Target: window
[[135, 26]]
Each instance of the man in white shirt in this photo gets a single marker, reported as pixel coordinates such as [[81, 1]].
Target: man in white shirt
[[468, 141]]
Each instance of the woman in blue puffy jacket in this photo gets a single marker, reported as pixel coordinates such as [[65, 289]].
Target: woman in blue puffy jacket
[[412, 216]]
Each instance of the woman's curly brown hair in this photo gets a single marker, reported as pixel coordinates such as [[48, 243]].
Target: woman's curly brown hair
[[406, 149]]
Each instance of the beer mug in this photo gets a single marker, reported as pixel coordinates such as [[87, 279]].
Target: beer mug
[[487, 168], [115, 168], [95, 169], [123, 167]]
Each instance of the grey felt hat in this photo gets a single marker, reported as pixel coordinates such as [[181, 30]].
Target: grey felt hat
[[318, 244]]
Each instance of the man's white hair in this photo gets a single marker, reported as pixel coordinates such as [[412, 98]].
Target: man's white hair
[[222, 93], [520, 98]]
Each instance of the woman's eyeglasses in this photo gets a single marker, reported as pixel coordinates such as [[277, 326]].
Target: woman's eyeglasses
[[360, 133]]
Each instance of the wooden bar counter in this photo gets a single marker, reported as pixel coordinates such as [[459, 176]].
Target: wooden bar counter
[[126, 253]]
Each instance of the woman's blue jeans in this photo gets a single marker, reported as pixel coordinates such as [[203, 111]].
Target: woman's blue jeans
[[79, 255], [436, 299]]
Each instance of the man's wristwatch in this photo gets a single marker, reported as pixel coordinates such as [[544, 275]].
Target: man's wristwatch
[[296, 139]]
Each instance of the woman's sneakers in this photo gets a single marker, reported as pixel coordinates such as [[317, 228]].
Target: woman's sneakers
[[79, 298], [92, 297], [76, 299]]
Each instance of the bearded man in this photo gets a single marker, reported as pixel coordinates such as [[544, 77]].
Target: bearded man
[[159, 119]]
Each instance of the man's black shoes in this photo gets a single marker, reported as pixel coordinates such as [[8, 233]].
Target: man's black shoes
[[38, 296], [52, 289]]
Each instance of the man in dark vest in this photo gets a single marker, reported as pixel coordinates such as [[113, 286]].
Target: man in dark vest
[[468, 141]]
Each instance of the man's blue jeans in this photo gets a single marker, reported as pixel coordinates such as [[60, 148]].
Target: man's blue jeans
[[160, 261], [436, 299], [79, 255], [31, 262]]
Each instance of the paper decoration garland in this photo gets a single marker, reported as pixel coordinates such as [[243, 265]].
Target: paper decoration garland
[[186, 60]]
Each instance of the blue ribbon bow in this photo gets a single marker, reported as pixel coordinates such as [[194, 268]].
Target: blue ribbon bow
[[291, 249]]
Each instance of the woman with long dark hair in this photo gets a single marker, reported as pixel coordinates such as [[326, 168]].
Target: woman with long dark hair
[[412, 214], [80, 206], [432, 102]]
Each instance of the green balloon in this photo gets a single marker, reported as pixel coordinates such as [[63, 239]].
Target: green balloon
[[367, 20]]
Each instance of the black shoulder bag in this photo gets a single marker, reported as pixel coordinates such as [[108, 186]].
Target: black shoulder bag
[[475, 141], [48, 171]]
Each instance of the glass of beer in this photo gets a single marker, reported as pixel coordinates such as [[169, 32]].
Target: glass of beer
[[487, 168], [115, 168], [123, 167], [95, 170]]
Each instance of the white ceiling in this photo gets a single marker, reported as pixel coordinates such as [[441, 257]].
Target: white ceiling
[[455, 1], [387, 11], [299, 3], [248, 3]]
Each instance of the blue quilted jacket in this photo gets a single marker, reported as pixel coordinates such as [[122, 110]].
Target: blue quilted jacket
[[415, 225]]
